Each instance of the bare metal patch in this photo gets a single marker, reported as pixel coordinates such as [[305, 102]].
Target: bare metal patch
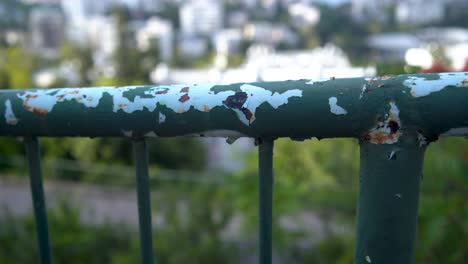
[[335, 108]]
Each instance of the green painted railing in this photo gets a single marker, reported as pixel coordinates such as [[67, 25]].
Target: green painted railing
[[394, 118]]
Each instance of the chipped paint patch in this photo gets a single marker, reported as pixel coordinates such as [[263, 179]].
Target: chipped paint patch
[[10, 117], [179, 98], [392, 155], [317, 81], [459, 131], [398, 195], [368, 260], [422, 140], [388, 131], [334, 108], [246, 102], [421, 86], [161, 118]]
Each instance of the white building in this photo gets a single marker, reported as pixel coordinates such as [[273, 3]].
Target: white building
[[157, 32], [192, 47], [227, 41], [201, 17], [270, 34]]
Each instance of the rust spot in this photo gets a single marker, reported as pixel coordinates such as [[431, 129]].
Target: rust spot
[[394, 126], [120, 106], [31, 96], [236, 101], [184, 90], [387, 131], [184, 98], [162, 91], [21, 93], [60, 97], [40, 111], [206, 108]]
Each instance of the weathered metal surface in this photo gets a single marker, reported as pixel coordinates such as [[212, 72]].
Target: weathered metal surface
[[379, 110], [389, 182], [144, 201], [33, 154], [265, 200]]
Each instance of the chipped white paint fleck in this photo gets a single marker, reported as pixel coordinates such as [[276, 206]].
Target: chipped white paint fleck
[[161, 118], [421, 86], [317, 81], [368, 260], [388, 131], [364, 89], [459, 131], [422, 140], [151, 134], [398, 195], [179, 98], [10, 117], [127, 133], [334, 108], [392, 154]]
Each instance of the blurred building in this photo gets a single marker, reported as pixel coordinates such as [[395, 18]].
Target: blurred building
[[190, 47], [227, 41], [202, 17], [47, 29], [270, 34], [393, 46], [401, 11], [156, 32]]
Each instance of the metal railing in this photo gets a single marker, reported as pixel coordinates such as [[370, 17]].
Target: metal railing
[[394, 118]]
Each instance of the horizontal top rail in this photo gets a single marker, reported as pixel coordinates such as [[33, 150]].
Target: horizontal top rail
[[378, 109]]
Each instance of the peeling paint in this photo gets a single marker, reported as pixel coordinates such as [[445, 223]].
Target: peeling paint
[[161, 118], [422, 140], [392, 155], [245, 103], [388, 131], [368, 260], [334, 108], [459, 131], [364, 90], [398, 195], [179, 98], [421, 86], [317, 81], [10, 117]]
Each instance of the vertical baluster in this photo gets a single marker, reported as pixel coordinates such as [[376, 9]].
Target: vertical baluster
[[144, 203], [37, 191], [388, 201], [265, 198]]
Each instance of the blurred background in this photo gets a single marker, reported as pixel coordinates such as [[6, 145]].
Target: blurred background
[[204, 191]]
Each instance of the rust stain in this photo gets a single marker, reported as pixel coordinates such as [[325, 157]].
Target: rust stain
[[36, 110], [385, 132], [236, 101], [184, 98], [206, 108], [184, 90], [162, 91], [120, 106], [39, 111]]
